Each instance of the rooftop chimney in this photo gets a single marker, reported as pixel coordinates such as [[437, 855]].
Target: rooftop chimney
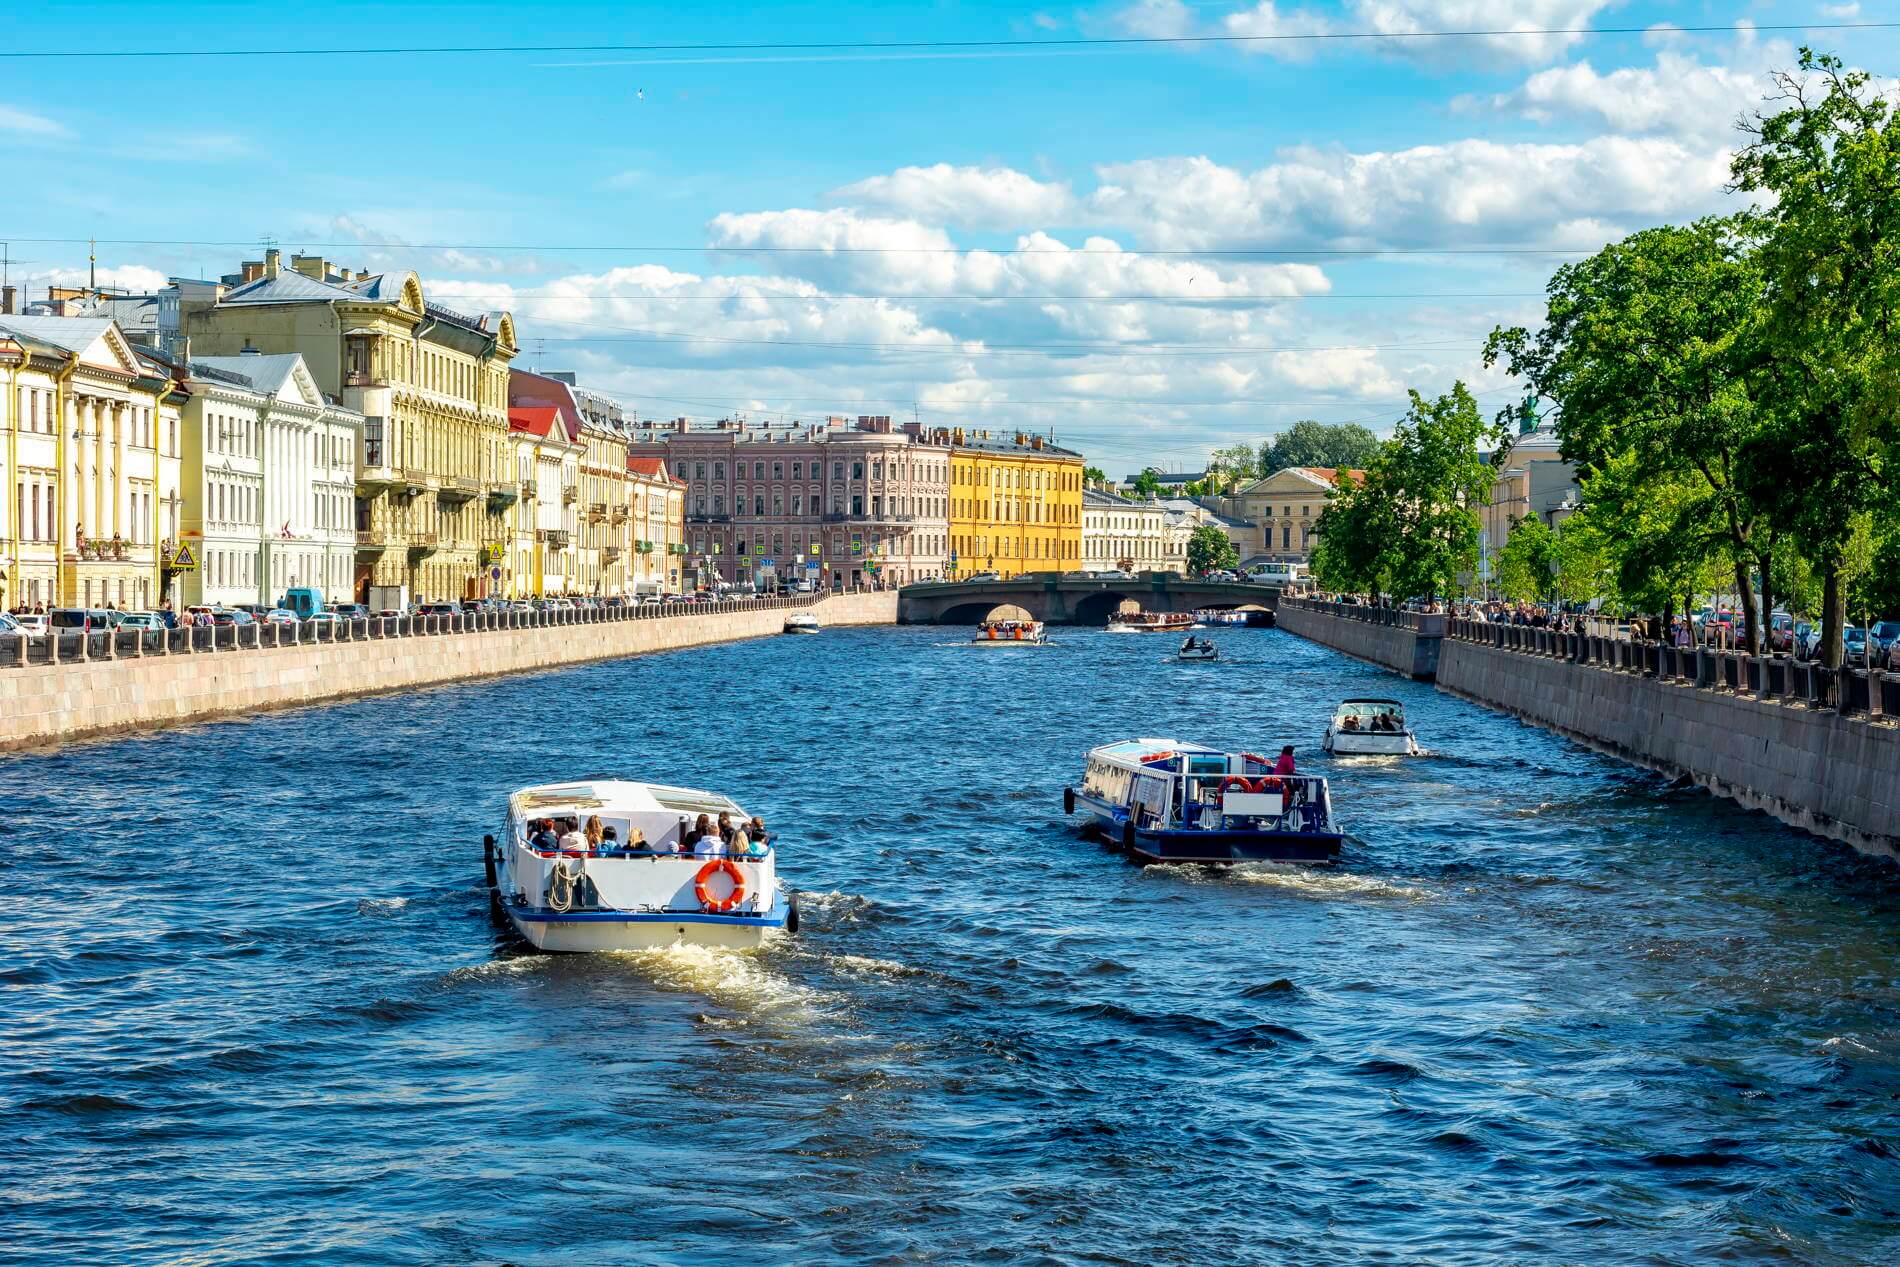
[[273, 262], [9, 295], [312, 266]]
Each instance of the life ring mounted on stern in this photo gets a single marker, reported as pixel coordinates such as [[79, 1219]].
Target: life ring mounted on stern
[[713, 905]]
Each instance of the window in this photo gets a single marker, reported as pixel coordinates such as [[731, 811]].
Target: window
[[798, 470], [719, 470], [837, 470], [699, 470], [758, 470], [778, 470], [857, 470]]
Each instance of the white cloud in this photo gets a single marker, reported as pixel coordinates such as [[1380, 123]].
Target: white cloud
[[1508, 27], [1463, 193], [1840, 12], [975, 197], [1680, 95], [26, 123]]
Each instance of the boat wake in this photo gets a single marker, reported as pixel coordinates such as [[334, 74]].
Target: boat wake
[[738, 979], [1311, 882]]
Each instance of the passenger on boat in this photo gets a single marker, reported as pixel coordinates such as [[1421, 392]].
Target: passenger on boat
[[707, 842], [609, 838], [636, 839], [1285, 764], [726, 830], [1352, 723], [594, 835], [755, 831], [573, 839], [541, 836]]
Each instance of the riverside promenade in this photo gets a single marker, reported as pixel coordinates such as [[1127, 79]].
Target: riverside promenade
[[1819, 749], [84, 686]]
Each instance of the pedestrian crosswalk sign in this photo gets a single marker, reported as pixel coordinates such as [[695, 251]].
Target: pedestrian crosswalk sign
[[184, 560]]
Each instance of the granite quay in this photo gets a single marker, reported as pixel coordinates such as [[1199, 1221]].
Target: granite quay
[[1817, 748], [85, 685]]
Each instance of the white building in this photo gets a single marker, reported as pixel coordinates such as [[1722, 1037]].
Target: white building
[[1134, 535], [270, 482]]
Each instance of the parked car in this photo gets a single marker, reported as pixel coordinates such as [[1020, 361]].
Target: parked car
[[9, 627], [438, 609], [1853, 645], [349, 611], [33, 624], [325, 618], [1781, 628], [221, 616], [983, 576], [1882, 636], [256, 611], [277, 616], [1799, 638], [82, 619], [142, 620]]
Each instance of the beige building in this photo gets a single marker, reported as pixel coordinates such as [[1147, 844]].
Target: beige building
[[656, 528], [1284, 508], [540, 559], [1535, 480], [1120, 533], [435, 476], [90, 441]]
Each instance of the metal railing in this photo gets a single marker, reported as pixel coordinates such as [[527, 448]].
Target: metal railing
[[1428, 624], [58, 648], [1778, 678]]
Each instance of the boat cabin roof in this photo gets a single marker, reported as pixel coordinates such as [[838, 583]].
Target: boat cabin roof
[[618, 798], [1389, 703]]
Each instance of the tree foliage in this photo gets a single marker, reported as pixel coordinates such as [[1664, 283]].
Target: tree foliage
[[1412, 528], [1527, 565], [1094, 475], [1310, 443], [1229, 466], [1147, 484], [1210, 550]]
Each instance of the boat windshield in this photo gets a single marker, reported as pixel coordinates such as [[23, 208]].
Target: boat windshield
[[1370, 714]]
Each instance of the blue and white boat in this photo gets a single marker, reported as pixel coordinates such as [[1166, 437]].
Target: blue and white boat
[[1167, 801], [635, 888]]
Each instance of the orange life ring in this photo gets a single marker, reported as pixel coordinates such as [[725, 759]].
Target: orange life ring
[[1234, 783], [719, 906], [1268, 784]]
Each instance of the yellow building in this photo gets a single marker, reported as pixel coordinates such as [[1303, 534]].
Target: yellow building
[[656, 527], [435, 478], [89, 451], [1015, 504]]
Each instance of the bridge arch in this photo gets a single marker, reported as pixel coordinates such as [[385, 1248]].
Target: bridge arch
[[1095, 609], [982, 609]]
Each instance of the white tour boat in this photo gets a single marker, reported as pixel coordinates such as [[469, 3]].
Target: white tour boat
[[802, 623], [1010, 633], [1197, 649], [1167, 801], [1370, 728], [636, 889], [1150, 622]]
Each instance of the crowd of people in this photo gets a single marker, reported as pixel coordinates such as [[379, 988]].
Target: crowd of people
[[700, 838]]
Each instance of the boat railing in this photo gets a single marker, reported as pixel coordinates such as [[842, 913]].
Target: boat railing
[[1293, 792], [674, 854]]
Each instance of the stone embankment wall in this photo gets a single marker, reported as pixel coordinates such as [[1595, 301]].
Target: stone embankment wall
[[1813, 768], [1405, 642], [1834, 774], [51, 703]]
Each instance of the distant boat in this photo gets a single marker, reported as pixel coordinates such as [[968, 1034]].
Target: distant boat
[[1167, 801], [1197, 649], [802, 623], [1370, 728], [1150, 622], [1010, 633]]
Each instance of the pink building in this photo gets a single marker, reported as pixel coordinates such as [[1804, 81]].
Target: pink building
[[844, 502]]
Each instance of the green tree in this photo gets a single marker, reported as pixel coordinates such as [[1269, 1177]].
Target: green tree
[[1828, 163], [1232, 465], [1209, 550], [1644, 350], [1527, 565], [1310, 443], [1094, 475], [1147, 484]]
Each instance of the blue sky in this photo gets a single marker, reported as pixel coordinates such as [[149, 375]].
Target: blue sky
[[1006, 206]]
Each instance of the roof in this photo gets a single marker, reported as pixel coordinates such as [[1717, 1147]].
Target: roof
[[266, 374], [534, 420], [617, 796], [654, 468], [537, 391], [1331, 474], [68, 334], [290, 287], [1010, 446], [1096, 497]]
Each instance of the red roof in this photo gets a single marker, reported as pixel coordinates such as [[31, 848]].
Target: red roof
[[1331, 474], [533, 421], [531, 392]]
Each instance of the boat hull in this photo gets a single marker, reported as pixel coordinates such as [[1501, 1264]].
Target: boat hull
[[584, 932], [801, 629], [1349, 743], [1207, 848]]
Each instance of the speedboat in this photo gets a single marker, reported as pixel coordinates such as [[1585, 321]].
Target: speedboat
[[1010, 633], [1150, 622], [802, 623], [1197, 649], [637, 889], [1167, 801], [1370, 728]]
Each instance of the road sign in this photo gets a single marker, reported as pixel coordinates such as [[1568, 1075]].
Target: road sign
[[184, 560], [494, 574]]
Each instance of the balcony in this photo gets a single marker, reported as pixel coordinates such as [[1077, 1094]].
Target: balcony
[[556, 538], [698, 517], [422, 543], [500, 499], [620, 514], [456, 489], [609, 554], [364, 378], [881, 520], [413, 482], [597, 510], [570, 495], [527, 490], [373, 539]]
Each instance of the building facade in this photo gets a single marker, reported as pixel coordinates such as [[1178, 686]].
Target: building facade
[[1135, 536], [656, 528], [1285, 508], [434, 481], [1532, 479], [92, 448], [539, 559], [1015, 503], [269, 479], [840, 503]]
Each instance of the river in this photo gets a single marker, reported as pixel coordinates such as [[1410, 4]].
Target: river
[[1547, 1009]]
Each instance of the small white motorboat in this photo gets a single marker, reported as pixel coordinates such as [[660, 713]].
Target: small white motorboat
[[802, 623], [1370, 728], [1197, 649], [637, 888], [1010, 633]]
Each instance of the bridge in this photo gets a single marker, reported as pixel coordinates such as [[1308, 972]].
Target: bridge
[[1075, 600]]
